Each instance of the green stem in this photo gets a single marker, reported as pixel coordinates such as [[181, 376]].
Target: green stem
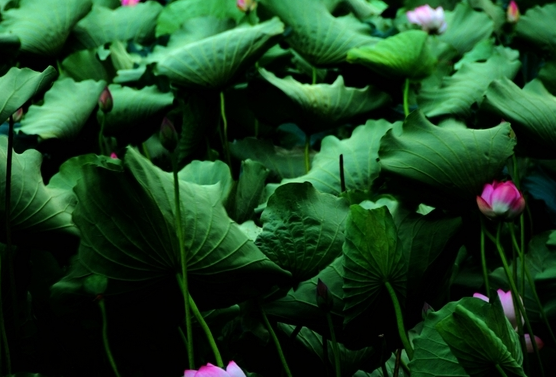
[[515, 293], [314, 75], [225, 130], [397, 364], [182, 335], [501, 371], [101, 135], [183, 257], [399, 320], [276, 342], [307, 149], [483, 258], [406, 98], [525, 271], [342, 174], [207, 332], [334, 345], [105, 337]]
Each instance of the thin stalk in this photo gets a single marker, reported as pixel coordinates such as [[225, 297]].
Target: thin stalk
[[182, 336], [522, 248], [295, 332], [399, 320], [335, 348], [383, 359], [207, 332], [526, 272], [276, 342], [314, 75], [397, 364], [225, 130], [515, 292], [105, 337], [483, 258], [101, 135], [342, 174], [325, 354], [406, 98], [501, 371], [184, 284], [307, 148]]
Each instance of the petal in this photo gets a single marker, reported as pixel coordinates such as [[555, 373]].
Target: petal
[[508, 306], [190, 373], [411, 17], [529, 344], [234, 370], [210, 370], [480, 296], [488, 189], [516, 208], [485, 208]]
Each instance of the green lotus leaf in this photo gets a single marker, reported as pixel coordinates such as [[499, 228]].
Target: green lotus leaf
[[405, 55], [128, 234], [303, 230], [249, 190], [373, 256], [175, 14], [43, 26], [360, 153], [67, 106], [536, 27], [531, 110], [467, 86], [214, 61], [323, 106], [137, 113], [84, 65], [208, 173], [103, 25], [317, 35], [17, 86], [466, 28], [36, 212], [444, 165], [284, 163], [482, 341]]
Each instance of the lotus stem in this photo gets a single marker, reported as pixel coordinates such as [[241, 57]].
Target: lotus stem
[[307, 148], [101, 135], [207, 332], [335, 348], [225, 130], [183, 257], [501, 371], [483, 258], [342, 174], [105, 337], [276, 342], [399, 320], [406, 98]]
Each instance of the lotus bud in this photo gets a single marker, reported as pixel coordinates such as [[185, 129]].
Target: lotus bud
[[129, 3], [324, 299], [501, 201], [114, 156], [168, 135], [105, 101], [17, 115], [431, 20], [512, 13], [507, 304], [246, 6], [529, 345], [209, 370]]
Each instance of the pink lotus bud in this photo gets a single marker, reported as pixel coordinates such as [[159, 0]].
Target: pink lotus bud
[[18, 115], [324, 299], [507, 305], [114, 155], [209, 370], [501, 201], [431, 20], [530, 349], [512, 13], [246, 5], [168, 135], [105, 101], [129, 3]]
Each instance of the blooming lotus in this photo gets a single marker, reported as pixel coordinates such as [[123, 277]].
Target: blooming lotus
[[209, 370], [507, 305], [529, 345], [501, 201], [512, 13], [431, 20], [246, 5], [129, 3]]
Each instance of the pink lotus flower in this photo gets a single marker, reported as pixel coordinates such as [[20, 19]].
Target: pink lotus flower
[[113, 155], [501, 201], [512, 13], [129, 3], [105, 101], [210, 370], [246, 5], [530, 349], [431, 20], [507, 305]]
